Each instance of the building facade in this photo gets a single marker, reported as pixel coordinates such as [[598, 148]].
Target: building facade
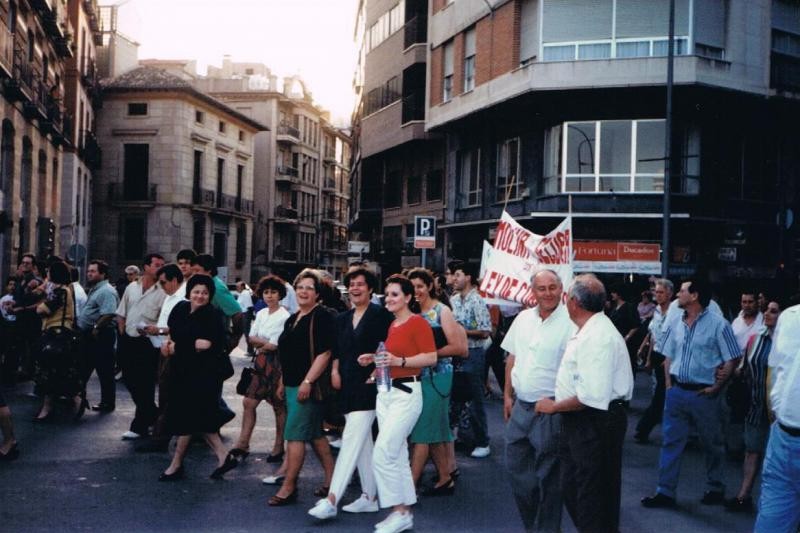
[[399, 166], [176, 172], [35, 42], [301, 169], [82, 153], [550, 103]]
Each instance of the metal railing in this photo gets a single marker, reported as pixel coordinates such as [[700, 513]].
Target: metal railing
[[287, 129], [414, 107], [329, 183], [281, 170], [285, 212], [6, 48], [284, 255], [119, 193]]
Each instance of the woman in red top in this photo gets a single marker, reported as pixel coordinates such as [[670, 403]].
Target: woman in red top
[[409, 347]]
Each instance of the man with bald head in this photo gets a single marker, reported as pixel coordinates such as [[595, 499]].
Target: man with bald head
[[535, 343], [593, 387]]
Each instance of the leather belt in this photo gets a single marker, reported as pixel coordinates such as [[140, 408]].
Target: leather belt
[[794, 432], [688, 386], [618, 403], [398, 383]]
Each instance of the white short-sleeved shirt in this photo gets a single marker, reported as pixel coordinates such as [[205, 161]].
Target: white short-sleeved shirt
[[166, 308], [743, 332], [537, 346], [245, 300], [596, 367], [785, 363], [268, 325], [140, 307]]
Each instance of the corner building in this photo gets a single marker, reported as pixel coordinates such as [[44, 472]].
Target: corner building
[[543, 101], [176, 172]]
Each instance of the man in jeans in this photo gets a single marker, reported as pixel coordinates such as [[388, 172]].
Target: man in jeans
[[471, 312]]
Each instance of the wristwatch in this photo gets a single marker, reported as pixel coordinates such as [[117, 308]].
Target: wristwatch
[[307, 381]]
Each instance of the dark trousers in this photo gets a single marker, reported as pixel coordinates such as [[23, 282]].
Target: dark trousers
[[590, 451], [655, 411], [99, 356], [139, 362], [495, 359], [160, 432]]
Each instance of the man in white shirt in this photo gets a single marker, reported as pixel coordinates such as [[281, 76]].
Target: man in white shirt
[[748, 321], [172, 282], [138, 308], [593, 387], [779, 505], [535, 343]]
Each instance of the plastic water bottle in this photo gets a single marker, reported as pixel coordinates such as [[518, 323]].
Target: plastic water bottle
[[383, 378]]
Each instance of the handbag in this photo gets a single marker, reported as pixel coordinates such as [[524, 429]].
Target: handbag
[[322, 389], [244, 381], [59, 342]]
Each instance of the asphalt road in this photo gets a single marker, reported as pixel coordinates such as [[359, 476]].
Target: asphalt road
[[82, 477]]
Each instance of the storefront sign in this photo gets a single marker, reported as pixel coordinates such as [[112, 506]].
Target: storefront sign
[[617, 257]]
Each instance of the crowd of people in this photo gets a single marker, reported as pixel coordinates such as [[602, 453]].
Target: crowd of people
[[403, 378]]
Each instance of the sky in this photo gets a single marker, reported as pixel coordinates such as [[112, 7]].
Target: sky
[[312, 38]]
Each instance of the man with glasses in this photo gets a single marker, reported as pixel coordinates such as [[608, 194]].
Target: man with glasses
[[139, 308], [96, 321]]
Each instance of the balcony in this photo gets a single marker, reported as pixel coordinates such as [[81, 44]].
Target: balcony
[[203, 197], [286, 214], [286, 174], [6, 50], [335, 246], [330, 156], [20, 86], [288, 133], [329, 185], [93, 14], [207, 199], [414, 107], [132, 194], [416, 30]]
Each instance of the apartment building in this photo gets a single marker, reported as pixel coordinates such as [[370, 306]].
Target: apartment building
[[36, 39], [550, 103], [81, 154], [176, 172], [301, 169], [399, 166]]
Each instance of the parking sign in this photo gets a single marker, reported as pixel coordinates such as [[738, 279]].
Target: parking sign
[[424, 232]]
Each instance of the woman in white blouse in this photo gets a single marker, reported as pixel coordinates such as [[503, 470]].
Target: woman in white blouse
[[263, 338]]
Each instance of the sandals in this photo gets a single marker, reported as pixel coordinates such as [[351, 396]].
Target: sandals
[[280, 501], [238, 453], [321, 491]]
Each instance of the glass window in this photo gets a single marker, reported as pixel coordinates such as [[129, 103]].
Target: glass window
[[594, 51], [615, 147], [470, 178], [448, 72], [650, 147], [433, 187], [414, 190], [633, 49], [580, 148], [559, 53], [552, 160], [469, 60], [394, 190], [137, 109], [507, 171], [660, 47]]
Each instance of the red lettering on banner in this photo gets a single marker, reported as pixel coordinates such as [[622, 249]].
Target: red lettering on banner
[[512, 240], [554, 250]]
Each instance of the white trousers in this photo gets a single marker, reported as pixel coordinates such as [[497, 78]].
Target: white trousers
[[356, 451], [397, 412]]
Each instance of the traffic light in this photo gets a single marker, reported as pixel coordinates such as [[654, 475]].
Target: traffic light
[[46, 232]]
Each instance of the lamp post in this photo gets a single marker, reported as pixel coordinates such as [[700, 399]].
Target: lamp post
[[666, 212]]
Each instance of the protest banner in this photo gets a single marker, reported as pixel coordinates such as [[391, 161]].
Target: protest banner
[[517, 253]]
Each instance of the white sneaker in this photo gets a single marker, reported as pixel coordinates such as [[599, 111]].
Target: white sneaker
[[480, 452], [362, 505], [130, 435], [336, 443], [323, 509], [395, 523], [273, 480]]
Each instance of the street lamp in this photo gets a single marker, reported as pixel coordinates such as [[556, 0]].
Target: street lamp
[[666, 208]]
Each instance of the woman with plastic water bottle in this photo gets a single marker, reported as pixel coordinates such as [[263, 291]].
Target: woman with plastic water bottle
[[409, 347]]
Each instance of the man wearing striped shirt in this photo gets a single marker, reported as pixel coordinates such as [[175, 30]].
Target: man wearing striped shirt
[[694, 347]]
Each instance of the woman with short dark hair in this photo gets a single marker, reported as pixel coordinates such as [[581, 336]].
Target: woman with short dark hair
[[263, 340], [195, 347]]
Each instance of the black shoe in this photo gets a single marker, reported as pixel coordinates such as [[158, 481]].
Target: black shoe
[[175, 476], [10, 455], [230, 463], [153, 446], [276, 458], [447, 489], [739, 505], [46, 418], [103, 407], [713, 497], [659, 500]]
